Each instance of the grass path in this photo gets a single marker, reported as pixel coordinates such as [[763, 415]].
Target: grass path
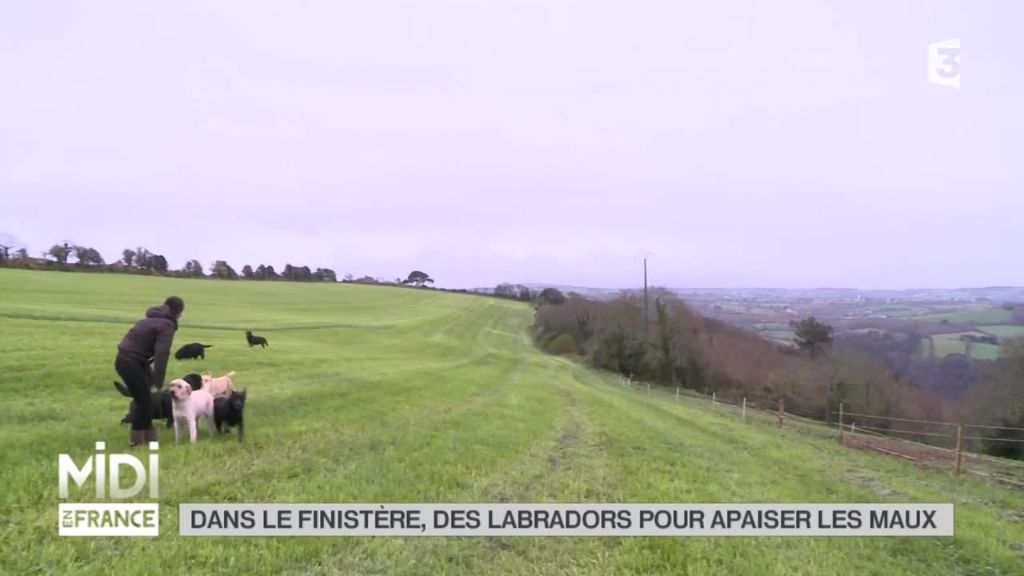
[[388, 395]]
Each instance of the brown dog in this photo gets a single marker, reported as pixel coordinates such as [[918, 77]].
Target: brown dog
[[220, 386]]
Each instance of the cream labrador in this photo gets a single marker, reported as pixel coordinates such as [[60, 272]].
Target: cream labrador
[[221, 386], [188, 405]]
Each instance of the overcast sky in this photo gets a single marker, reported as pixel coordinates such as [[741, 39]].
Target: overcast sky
[[782, 144]]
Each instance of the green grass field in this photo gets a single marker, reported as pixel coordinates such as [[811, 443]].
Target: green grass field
[[897, 311], [985, 351], [946, 344], [979, 316], [391, 395], [1004, 330]]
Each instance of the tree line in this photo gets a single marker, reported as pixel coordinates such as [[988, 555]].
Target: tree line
[[68, 256], [74, 257], [527, 294]]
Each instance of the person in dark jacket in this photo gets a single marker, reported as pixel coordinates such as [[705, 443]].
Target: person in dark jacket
[[147, 343]]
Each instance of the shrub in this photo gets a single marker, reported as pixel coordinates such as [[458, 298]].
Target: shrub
[[562, 344]]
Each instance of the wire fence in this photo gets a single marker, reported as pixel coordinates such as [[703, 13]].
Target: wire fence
[[961, 446], [934, 440]]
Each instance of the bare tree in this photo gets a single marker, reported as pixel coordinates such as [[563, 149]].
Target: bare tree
[[7, 243]]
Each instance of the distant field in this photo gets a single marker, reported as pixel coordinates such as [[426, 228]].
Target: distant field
[[746, 308], [763, 326], [898, 311], [984, 351], [371, 394], [868, 331], [981, 316], [946, 344], [1004, 330], [782, 335]]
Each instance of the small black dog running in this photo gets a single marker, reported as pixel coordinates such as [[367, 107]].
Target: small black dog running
[[192, 350]]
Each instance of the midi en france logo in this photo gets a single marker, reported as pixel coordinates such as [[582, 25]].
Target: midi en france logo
[[107, 472]]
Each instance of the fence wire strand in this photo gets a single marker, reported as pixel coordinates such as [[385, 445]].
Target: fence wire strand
[[896, 419], [891, 431], [772, 413]]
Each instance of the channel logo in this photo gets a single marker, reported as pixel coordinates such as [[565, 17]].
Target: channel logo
[[110, 518], [944, 63]]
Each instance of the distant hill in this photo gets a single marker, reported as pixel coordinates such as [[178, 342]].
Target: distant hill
[[993, 293]]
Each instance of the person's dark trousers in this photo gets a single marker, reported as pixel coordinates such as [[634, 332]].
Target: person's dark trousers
[[136, 376]]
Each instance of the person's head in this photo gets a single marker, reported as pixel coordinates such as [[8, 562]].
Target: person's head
[[175, 305]]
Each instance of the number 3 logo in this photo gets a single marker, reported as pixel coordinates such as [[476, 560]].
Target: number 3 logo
[[950, 63], [944, 63]]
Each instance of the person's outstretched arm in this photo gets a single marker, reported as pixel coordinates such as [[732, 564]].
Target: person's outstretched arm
[[161, 352]]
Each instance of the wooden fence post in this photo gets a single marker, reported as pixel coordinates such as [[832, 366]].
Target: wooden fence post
[[677, 393], [744, 408], [782, 411], [959, 446], [648, 388], [714, 399], [840, 422]]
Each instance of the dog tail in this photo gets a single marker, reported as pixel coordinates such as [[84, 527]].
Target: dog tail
[[122, 389], [207, 345], [230, 374]]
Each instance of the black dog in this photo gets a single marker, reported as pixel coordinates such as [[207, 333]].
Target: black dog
[[161, 406], [255, 340], [227, 412], [194, 380], [193, 350]]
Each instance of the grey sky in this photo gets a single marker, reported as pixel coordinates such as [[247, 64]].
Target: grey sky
[[788, 144]]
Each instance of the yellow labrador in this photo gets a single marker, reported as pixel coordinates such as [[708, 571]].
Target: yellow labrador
[[188, 405], [220, 386]]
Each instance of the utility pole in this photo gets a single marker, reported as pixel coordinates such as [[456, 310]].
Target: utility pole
[[646, 313]]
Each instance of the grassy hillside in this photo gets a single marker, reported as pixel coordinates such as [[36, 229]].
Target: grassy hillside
[[390, 395]]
